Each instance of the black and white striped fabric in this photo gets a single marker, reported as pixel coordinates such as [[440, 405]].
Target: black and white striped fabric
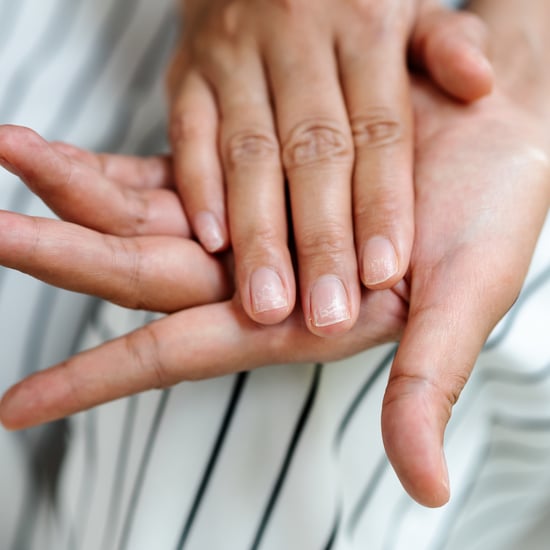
[[286, 457]]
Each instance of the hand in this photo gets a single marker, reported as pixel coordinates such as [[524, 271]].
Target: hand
[[482, 194], [482, 188], [318, 93], [125, 252]]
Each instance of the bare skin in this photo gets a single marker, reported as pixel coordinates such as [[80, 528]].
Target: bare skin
[[313, 96], [482, 188]]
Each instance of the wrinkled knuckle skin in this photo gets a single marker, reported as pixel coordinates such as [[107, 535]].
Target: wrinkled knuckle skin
[[251, 147], [185, 127], [143, 347], [319, 142], [376, 129], [384, 19], [331, 243]]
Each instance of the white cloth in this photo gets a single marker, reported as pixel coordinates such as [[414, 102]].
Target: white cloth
[[285, 457]]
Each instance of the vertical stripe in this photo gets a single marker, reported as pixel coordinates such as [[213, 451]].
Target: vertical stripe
[[361, 394], [142, 470], [335, 528], [77, 529], [114, 508], [367, 494], [298, 430], [234, 398]]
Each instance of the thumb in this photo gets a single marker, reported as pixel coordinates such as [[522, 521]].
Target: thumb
[[443, 337], [452, 47]]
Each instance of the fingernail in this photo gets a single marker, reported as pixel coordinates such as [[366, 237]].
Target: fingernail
[[267, 290], [209, 231], [329, 302], [379, 261], [476, 57]]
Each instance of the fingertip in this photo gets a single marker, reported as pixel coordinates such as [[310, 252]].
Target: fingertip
[[331, 309], [463, 71], [14, 407], [453, 48], [12, 138], [379, 263], [270, 298], [212, 234], [414, 445]]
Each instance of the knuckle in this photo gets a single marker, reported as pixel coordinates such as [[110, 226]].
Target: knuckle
[[289, 6], [73, 387], [259, 245], [186, 126], [331, 243], [143, 349], [406, 386], [231, 17], [127, 260], [376, 129], [250, 147], [317, 142], [381, 204], [383, 17], [140, 215], [263, 238]]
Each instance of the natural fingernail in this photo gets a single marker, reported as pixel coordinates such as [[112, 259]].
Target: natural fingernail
[[209, 231], [477, 58], [267, 290], [379, 261], [329, 302]]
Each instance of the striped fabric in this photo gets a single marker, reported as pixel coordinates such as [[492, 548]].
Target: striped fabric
[[282, 458]]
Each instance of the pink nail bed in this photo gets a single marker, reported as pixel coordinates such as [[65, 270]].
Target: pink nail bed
[[267, 290], [208, 231], [329, 302]]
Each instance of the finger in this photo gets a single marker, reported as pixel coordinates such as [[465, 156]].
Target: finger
[[452, 311], [79, 193], [256, 193], [187, 346], [183, 346], [198, 174], [317, 156], [152, 273], [376, 84], [137, 172], [453, 48]]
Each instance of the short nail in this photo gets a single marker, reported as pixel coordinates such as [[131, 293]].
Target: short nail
[[379, 261], [209, 231], [329, 302], [267, 290]]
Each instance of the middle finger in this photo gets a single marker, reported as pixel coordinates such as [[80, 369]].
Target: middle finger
[[318, 158]]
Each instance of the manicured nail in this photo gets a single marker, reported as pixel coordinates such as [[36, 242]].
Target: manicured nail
[[267, 290], [329, 302], [209, 231], [379, 261]]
